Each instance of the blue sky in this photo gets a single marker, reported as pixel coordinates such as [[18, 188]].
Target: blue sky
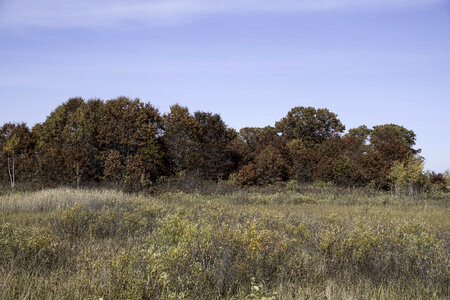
[[370, 61]]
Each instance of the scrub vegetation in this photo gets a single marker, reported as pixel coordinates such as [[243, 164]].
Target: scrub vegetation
[[283, 241]]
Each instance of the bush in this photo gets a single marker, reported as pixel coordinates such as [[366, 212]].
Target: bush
[[247, 175], [118, 221], [30, 248]]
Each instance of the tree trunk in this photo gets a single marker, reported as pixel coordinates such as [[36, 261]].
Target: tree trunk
[[78, 175], [411, 189], [11, 172]]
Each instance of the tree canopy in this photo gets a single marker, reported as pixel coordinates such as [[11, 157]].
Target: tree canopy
[[128, 143], [309, 124]]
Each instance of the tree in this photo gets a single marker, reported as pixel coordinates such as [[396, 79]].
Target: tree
[[113, 168], [437, 181], [376, 169], [247, 175], [406, 175], [83, 142], [393, 142], [270, 166], [180, 137], [251, 136], [16, 152], [200, 143], [57, 144], [342, 171], [80, 145], [241, 154], [270, 156], [360, 133], [326, 154], [304, 160], [388, 143], [388, 132], [133, 130], [309, 124], [10, 149], [213, 145], [355, 148]]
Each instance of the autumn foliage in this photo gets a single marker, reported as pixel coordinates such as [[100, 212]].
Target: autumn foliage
[[130, 144]]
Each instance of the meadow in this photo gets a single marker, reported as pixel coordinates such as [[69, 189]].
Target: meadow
[[287, 242]]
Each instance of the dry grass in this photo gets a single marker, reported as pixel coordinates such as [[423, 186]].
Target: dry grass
[[61, 198], [308, 243]]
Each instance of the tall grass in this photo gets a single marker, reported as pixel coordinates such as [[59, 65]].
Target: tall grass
[[51, 199], [285, 244]]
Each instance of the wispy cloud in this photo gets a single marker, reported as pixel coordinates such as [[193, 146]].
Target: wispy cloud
[[88, 13]]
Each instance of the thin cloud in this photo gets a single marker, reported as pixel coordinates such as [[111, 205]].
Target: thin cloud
[[104, 13]]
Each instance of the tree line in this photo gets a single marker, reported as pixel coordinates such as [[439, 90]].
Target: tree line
[[129, 143]]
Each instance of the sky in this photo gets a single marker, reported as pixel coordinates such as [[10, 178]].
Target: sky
[[370, 61]]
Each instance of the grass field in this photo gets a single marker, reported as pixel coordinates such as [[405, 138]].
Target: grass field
[[306, 243]]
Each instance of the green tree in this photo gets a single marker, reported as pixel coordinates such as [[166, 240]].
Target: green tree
[[392, 132], [57, 142], [342, 171], [180, 137], [214, 142], [360, 133], [405, 176], [309, 124], [200, 143]]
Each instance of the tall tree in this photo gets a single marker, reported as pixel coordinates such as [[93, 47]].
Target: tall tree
[[304, 160], [251, 136], [180, 137], [388, 143], [331, 163], [10, 149], [360, 133], [348, 168], [200, 143], [405, 176], [394, 142], [309, 124], [16, 152], [61, 145], [214, 143], [266, 156], [133, 130]]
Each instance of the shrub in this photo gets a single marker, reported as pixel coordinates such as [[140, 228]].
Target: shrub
[[118, 221], [247, 175], [29, 248]]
